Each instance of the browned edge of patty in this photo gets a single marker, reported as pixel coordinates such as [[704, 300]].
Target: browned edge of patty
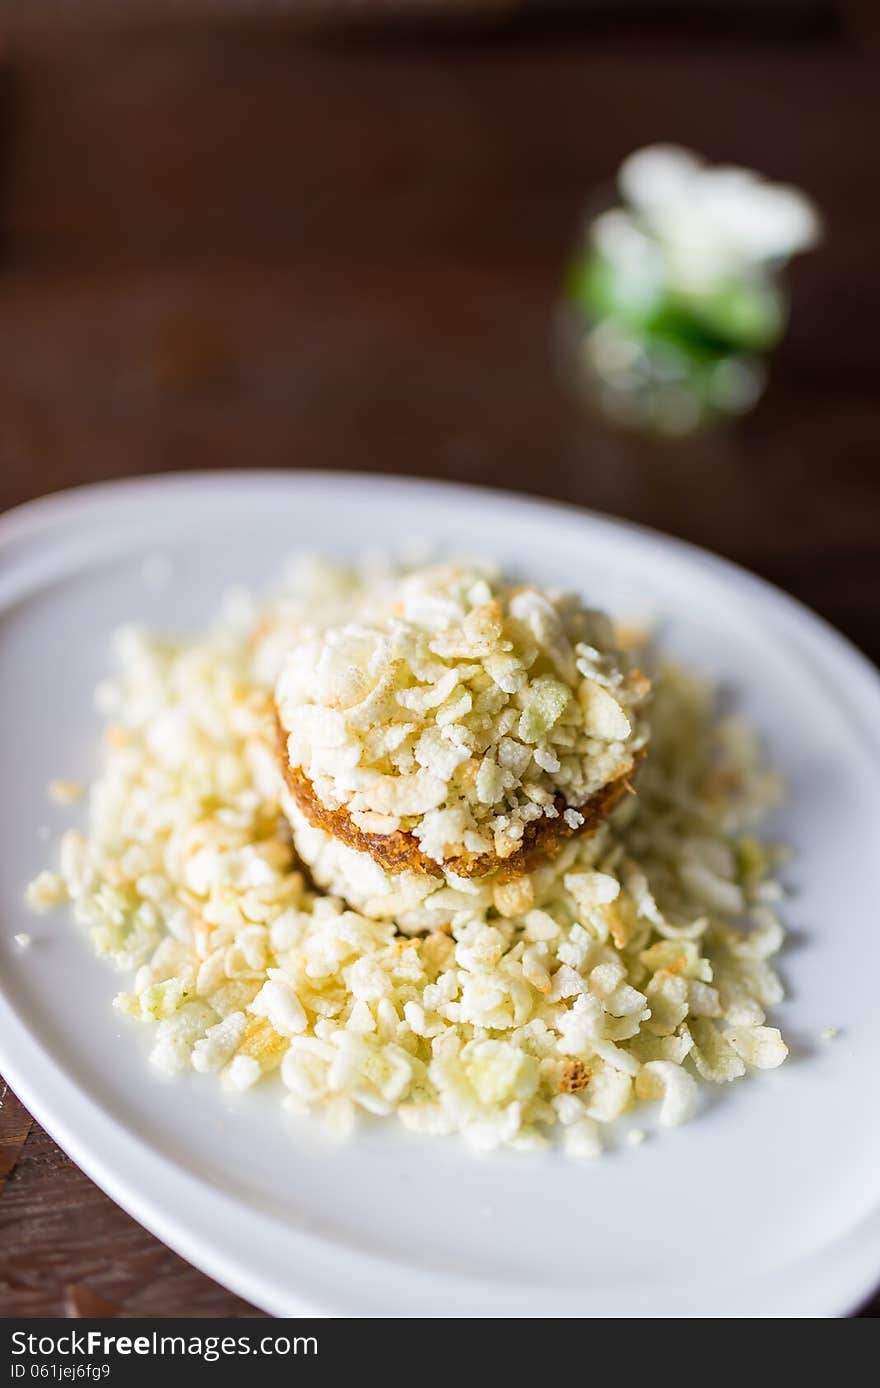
[[400, 851]]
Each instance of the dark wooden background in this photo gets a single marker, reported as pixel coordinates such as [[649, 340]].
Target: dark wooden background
[[236, 248]]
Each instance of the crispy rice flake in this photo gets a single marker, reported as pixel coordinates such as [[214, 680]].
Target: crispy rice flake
[[633, 966]]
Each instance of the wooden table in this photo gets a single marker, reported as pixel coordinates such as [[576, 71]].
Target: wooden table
[[236, 250]]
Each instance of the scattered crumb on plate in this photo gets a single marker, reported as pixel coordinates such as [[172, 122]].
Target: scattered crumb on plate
[[48, 889], [65, 792]]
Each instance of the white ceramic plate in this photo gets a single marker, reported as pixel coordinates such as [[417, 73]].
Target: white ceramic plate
[[767, 1204]]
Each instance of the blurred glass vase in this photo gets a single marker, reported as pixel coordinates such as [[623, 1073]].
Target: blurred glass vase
[[675, 296]]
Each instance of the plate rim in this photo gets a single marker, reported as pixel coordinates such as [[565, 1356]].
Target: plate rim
[[853, 1259]]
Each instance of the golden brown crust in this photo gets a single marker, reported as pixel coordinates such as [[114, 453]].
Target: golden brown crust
[[400, 851], [574, 1076]]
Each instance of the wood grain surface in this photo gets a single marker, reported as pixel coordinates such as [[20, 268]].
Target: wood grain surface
[[237, 250]]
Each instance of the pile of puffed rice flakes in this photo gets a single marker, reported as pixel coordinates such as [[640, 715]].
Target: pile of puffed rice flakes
[[640, 958]]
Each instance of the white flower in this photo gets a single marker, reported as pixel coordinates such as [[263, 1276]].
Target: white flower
[[709, 221]]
